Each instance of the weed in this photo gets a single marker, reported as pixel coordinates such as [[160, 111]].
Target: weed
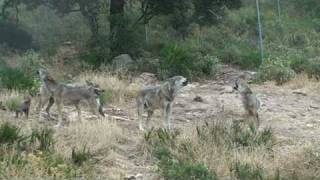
[[13, 103], [79, 157], [9, 134], [45, 139], [244, 171]]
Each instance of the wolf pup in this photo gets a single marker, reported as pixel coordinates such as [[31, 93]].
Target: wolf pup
[[24, 107]]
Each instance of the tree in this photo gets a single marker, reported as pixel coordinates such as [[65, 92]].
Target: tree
[[117, 26], [89, 9]]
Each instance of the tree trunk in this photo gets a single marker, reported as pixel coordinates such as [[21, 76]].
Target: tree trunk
[[116, 26]]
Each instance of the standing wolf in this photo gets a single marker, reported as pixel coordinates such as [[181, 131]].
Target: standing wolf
[[249, 99], [159, 97], [70, 94]]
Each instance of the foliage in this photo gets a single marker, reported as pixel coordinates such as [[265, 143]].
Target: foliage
[[243, 171], [80, 156], [235, 136], [275, 69], [14, 36], [179, 60], [312, 68], [9, 134], [28, 160], [13, 103], [106, 96], [45, 139], [22, 76], [171, 165], [211, 12], [13, 78]]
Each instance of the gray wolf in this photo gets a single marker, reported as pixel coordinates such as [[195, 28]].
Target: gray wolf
[[72, 94], [45, 96], [159, 97], [24, 107], [249, 99]]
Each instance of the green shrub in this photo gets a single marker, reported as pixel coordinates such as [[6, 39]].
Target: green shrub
[[22, 76], [14, 36], [275, 69], [14, 78], [208, 65], [244, 171], [241, 54], [181, 60], [174, 169], [235, 136], [163, 145], [81, 156], [251, 137], [313, 68], [45, 139], [176, 60], [106, 96], [9, 134]]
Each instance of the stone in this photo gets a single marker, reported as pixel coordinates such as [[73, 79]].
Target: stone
[[123, 61]]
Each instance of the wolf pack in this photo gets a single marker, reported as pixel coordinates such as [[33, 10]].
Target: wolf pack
[[148, 99]]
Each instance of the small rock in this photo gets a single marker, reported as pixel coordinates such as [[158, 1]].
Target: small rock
[[147, 78], [134, 177], [123, 61], [299, 92], [198, 99], [314, 107]]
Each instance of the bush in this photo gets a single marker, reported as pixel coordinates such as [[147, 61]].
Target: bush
[[250, 136], [81, 156], [21, 77], [275, 69], [14, 36], [13, 78], [106, 96], [235, 136], [313, 68], [242, 55], [45, 139], [13, 103], [9, 134], [180, 60], [173, 165], [244, 171]]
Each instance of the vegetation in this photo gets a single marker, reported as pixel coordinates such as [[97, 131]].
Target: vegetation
[[31, 155], [218, 150]]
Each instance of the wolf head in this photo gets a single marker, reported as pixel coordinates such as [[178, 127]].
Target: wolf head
[[44, 75], [241, 86]]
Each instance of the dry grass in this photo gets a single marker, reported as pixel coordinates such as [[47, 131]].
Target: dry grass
[[272, 162], [101, 136], [120, 89], [302, 82]]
